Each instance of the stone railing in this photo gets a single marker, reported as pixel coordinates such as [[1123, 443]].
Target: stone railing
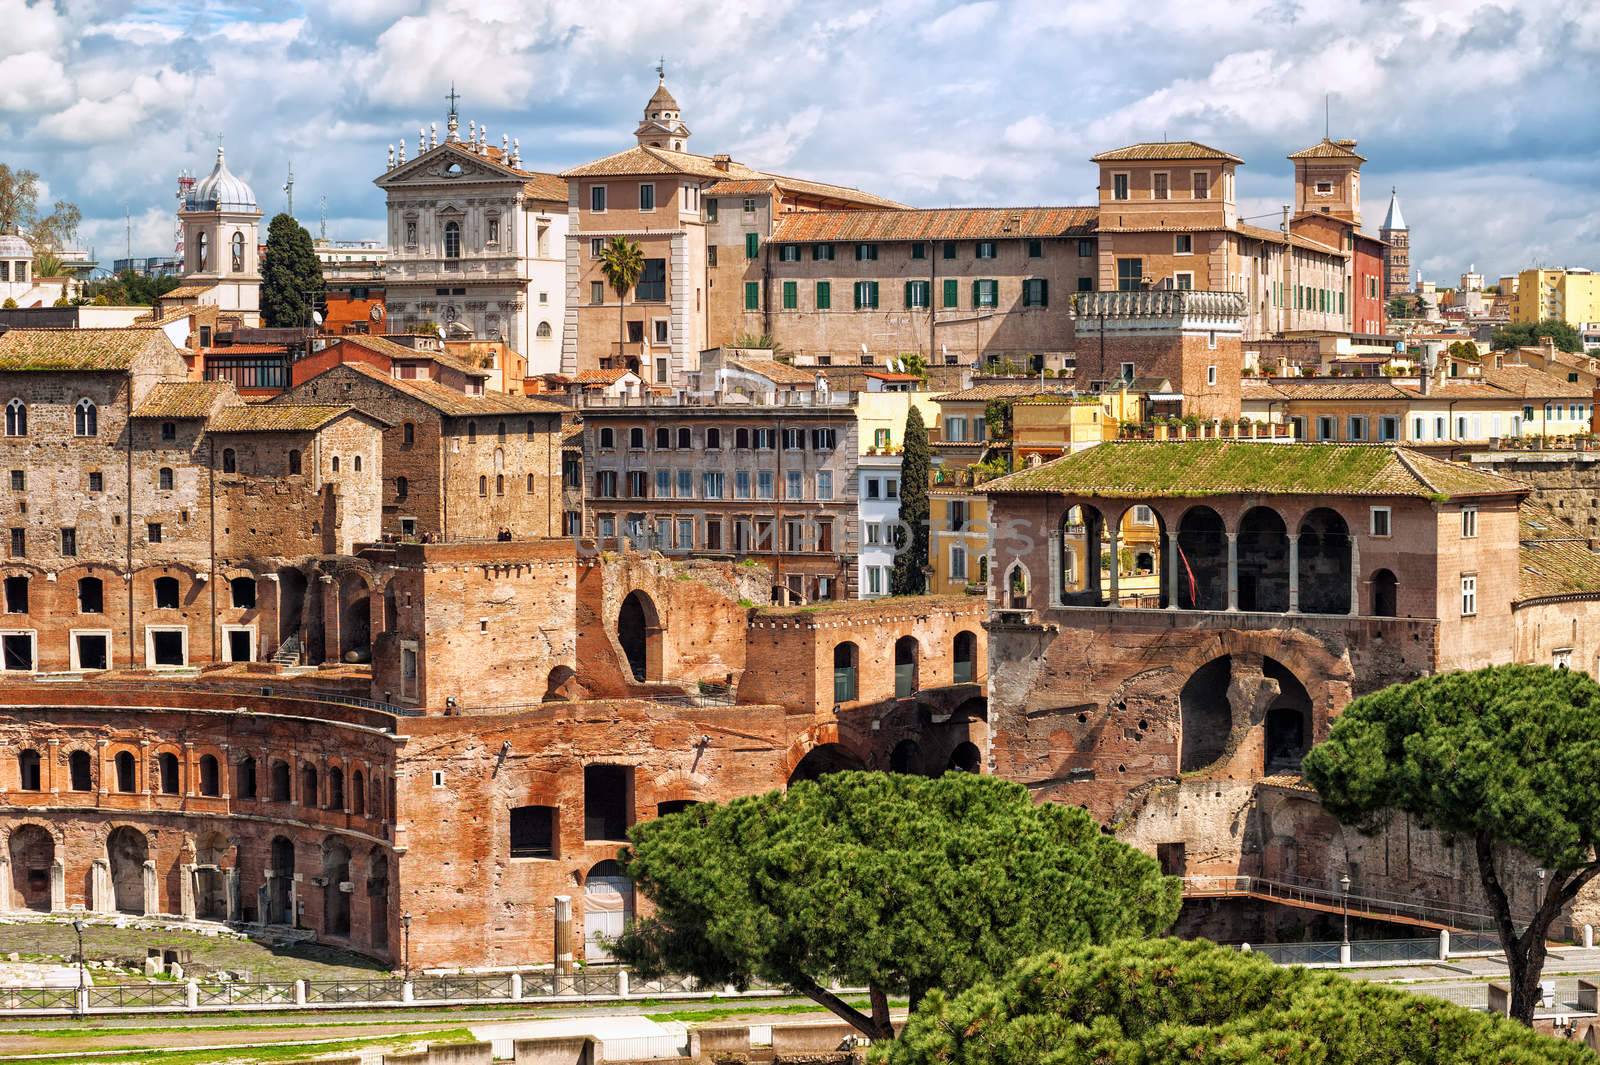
[[1158, 303]]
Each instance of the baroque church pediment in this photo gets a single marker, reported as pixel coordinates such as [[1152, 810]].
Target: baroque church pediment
[[444, 165]]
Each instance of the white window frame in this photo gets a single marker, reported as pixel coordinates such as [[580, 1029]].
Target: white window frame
[[1143, 514], [958, 551], [1183, 244], [227, 650], [73, 662], [33, 653], [1207, 194], [1469, 595], [1384, 528], [150, 645], [1211, 375], [1127, 186], [1469, 523], [1180, 277], [1127, 371]]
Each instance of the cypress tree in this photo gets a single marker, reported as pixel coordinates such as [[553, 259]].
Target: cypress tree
[[291, 276], [911, 558]]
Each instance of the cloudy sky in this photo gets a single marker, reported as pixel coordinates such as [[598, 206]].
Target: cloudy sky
[[1484, 114]]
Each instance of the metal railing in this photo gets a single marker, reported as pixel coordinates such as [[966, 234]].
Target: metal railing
[[230, 995], [463, 988], [1290, 890], [37, 998], [348, 991], [138, 996]]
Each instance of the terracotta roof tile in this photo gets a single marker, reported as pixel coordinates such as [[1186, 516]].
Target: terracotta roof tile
[[644, 159], [1160, 151], [391, 350], [246, 349], [1000, 390], [1327, 149], [1325, 390], [1555, 556], [599, 377], [186, 292], [77, 349], [953, 223], [184, 399], [449, 402], [274, 417], [1224, 467], [777, 372]]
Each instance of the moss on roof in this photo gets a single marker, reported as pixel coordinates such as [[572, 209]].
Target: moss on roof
[[1555, 557], [274, 418], [1225, 467], [184, 399], [101, 350]]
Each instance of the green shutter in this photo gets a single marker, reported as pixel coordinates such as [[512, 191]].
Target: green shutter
[[824, 295], [977, 294], [874, 292], [1043, 299], [952, 293], [752, 295], [908, 293], [860, 291], [791, 295], [752, 245]]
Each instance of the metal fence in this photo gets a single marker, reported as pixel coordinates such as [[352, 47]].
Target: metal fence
[[464, 988], [139, 996], [1298, 953], [245, 994], [37, 998], [322, 992]]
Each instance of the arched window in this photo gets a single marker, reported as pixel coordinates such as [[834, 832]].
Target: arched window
[[246, 788], [636, 438], [238, 253], [336, 464], [28, 772], [530, 484], [167, 769], [844, 672], [336, 788], [280, 781], [230, 461], [294, 461], [741, 439], [358, 463], [685, 437], [532, 429], [81, 770], [483, 486], [408, 433], [86, 418], [210, 783], [358, 794], [472, 432], [500, 430], [608, 439], [713, 439], [91, 595], [542, 331], [907, 655], [308, 785], [166, 589], [452, 240], [16, 418], [966, 657], [164, 478], [402, 488], [202, 248], [127, 779], [499, 484], [1017, 588]]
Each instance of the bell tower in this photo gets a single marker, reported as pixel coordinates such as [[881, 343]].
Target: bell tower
[[221, 224], [1327, 180], [662, 125]]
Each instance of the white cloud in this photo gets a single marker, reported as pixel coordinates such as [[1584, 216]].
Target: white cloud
[[137, 32], [961, 23], [30, 81], [95, 121], [30, 26]]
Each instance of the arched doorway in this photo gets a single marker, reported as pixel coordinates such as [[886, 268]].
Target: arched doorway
[[1202, 560], [211, 878], [1206, 715], [1324, 563], [904, 758], [33, 856], [378, 899], [127, 850], [291, 602], [639, 632], [1288, 722], [1083, 556], [335, 900], [966, 758], [355, 618], [607, 909], [280, 895], [1017, 587], [824, 759], [1385, 594], [964, 658], [1263, 547], [906, 679]]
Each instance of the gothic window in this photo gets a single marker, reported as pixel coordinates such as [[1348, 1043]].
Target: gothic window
[[452, 240], [86, 418], [238, 253], [200, 249], [16, 418]]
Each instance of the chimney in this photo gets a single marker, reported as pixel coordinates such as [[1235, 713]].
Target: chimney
[[721, 161], [1549, 346]]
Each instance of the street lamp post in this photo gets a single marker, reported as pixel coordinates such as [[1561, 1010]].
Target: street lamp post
[[77, 926], [1344, 894], [405, 929]]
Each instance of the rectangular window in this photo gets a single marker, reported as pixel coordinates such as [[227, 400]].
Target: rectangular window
[[791, 295], [685, 484], [874, 490], [1469, 522], [948, 249], [741, 484], [824, 295], [792, 485], [891, 488], [659, 329], [866, 253], [711, 209], [874, 534], [97, 481], [952, 293], [153, 532], [1200, 181], [1130, 275], [1388, 427], [1183, 281], [652, 284], [1085, 284], [607, 801], [533, 832], [711, 255], [1119, 186], [866, 293], [1183, 244], [752, 295], [1085, 249], [822, 253], [1326, 429], [713, 534], [752, 245], [19, 481], [919, 250], [1036, 292], [1036, 249], [764, 484], [958, 562], [824, 484], [1381, 517], [1357, 428], [685, 534], [597, 292], [647, 197], [1161, 185], [789, 253], [69, 542], [711, 485], [1143, 515], [955, 430], [1211, 375], [985, 293], [985, 250], [597, 199], [1469, 595], [824, 439], [916, 294]]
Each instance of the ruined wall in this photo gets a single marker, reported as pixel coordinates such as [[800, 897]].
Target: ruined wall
[[1567, 482]]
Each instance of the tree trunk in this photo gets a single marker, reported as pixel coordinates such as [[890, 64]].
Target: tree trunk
[[874, 1028]]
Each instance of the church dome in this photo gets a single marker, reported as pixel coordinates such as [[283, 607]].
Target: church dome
[[15, 247], [220, 190]]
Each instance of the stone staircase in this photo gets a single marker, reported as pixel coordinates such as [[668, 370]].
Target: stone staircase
[[288, 652]]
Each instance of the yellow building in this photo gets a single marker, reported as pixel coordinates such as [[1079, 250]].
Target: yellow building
[[1044, 427], [1570, 296]]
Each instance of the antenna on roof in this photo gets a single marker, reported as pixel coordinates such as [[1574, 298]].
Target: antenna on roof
[[1327, 115]]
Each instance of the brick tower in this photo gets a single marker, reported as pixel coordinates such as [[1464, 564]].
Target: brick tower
[[1397, 256]]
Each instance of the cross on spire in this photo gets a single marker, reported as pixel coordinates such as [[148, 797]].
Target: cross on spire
[[453, 97], [661, 69]]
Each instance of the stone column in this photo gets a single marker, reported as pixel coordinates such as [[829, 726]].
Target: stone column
[[1172, 571], [564, 959], [294, 901], [152, 899], [231, 884], [330, 618], [1053, 570], [1233, 571], [58, 886], [1116, 562], [186, 891], [1294, 573], [6, 904], [264, 903], [1355, 576], [101, 898]]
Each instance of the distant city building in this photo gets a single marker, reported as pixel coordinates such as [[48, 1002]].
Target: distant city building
[[347, 263], [149, 266], [1571, 295], [221, 224], [1397, 260]]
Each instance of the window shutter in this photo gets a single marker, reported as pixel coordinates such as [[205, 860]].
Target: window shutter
[[977, 294], [952, 293]]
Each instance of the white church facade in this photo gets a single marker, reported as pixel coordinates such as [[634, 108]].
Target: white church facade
[[221, 243], [477, 244]]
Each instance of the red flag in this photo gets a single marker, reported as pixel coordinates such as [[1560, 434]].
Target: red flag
[[1194, 592]]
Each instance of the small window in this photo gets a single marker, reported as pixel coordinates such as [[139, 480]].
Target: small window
[[1211, 375], [1469, 595], [91, 595], [533, 831], [230, 461], [1183, 244], [167, 772], [294, 461], [1119, 186], [985, 249], [210, 776], [242, 592], [919, 250], [1200, 181], [1469, 522], [169, 431], [358, 463], [69, 542], [166, 593], [19, 481], [28, 771], [1381, 517], [152, 532], [86, 418], [16, 418], [164, 479], [597, 198], [81, 770], [16, 595]]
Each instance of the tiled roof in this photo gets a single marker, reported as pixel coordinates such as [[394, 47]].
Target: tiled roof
[[449, 402], [186, 292], [645, 159], [1225, 467], [1277, 236], [547, 187], [390, 350], [777, 372], [274, 417], [1555, 557], [246, 349], [183, 399], [1161, 151], [1327, 149], [1530, 382], [1335, 390], [1255, 388], [950, 223], [823, 190], [999, 390], [76, 349], [599, 377]]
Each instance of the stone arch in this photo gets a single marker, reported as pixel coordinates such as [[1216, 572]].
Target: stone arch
[[556, 684], [964, 657], [907, 667], [906, 757], [846, 672], [823, 759], [1325, 562], [1263, 551], [1140, 557], [212, 860], [335, 900], [1385, 594], [1018, 587], [127, 851], [1083, 555], [355, 616], [292, 587], [32, 852], [1206, 722], [639, 634], [966, 758], [1288, 722], [608, 905], [280, 882], [1202, 560]]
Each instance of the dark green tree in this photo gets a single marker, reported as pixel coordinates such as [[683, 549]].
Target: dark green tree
[[1170, 1002], [1507, 758], [1529, 334], [898, 883], [622, 264], [291, 276], [910, 573]]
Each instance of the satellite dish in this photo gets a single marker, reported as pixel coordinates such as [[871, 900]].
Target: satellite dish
[[316, 316]]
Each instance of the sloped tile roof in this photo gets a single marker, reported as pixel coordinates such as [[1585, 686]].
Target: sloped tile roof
[[1255, 388], [184, 399], [599, 377], [1148, 151], [1224, 467], [1533, 383], [1327, 149], [274, 417], [186, 292], [777, 372], [1555, 557], [1334, 390], [449, 402], [108, 350], [1000, 390], [952, 223], [644, 159], [391, 350]]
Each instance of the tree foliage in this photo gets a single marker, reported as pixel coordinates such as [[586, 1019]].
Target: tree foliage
[[291, 275], [1171, 1002], [1529, 334], [898, 883], [1507, 757], [19, 198], [910, 573], [621, 264], [128, 289]]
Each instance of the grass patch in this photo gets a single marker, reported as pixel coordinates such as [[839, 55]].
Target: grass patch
[[755, 1006], [255, 1055]]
